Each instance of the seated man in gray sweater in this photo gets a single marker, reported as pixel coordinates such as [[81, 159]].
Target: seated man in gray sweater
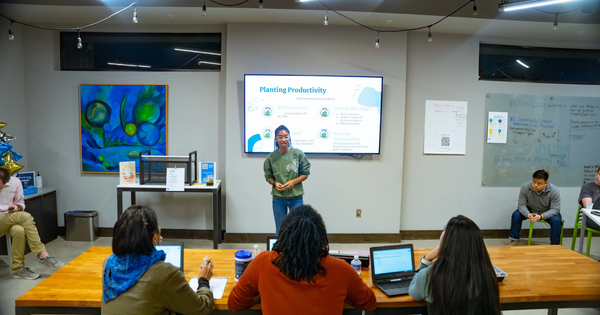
[[590, 193], [538, 200]]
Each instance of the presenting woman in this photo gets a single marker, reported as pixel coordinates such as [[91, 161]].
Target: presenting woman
[[285, 169], [136, 279], [299, 276], [461, 280]]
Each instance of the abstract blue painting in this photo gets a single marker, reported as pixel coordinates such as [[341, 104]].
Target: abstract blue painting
[[118, 122]]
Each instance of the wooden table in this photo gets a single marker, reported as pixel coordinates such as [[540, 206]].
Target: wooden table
[[215, 190], [539, 277]]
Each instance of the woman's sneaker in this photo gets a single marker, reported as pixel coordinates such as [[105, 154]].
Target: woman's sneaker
[[51, 262], [26, 273]]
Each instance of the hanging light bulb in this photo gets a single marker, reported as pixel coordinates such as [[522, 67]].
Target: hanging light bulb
[[429, 38], [326, 20], [11, 34], [556, 21], [79, 44], [204, 8], [260, 4], [135, 16], [377, 40], [474, 8]]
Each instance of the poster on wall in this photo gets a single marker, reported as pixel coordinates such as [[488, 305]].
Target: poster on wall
[[119, 121], [445, 127], [497, 127]]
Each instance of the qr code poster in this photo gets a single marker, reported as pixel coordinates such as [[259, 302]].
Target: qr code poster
[[445, 142], [445, 127]]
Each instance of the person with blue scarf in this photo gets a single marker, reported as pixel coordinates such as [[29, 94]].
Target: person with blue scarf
[[136, 279]]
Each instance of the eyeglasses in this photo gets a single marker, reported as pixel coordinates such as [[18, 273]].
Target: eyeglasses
[[282, 138]]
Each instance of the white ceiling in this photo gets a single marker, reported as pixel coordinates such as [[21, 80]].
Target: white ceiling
[[71, 16]]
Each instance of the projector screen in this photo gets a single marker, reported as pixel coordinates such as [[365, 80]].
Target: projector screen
[[325, 114]]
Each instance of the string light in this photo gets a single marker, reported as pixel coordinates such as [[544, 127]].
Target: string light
[[260, 4], [326, 21], [79, 44], [555, 21], [204, 8], [135, 15], [474, 8], [429, 38], [11, 34], [377, 40]]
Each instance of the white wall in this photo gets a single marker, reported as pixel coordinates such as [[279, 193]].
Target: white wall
[[407, 190], [12, 87], [53, 130], [337, 185], [437, 187]]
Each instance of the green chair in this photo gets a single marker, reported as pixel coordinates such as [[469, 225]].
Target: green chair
[[562, 226], [589, 230]]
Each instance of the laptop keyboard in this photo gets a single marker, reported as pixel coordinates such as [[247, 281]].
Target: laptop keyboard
[[387, 285]]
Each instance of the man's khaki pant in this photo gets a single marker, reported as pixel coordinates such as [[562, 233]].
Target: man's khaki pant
[[21, 228]]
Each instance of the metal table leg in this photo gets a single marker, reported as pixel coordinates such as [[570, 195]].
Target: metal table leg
[[119, 202]]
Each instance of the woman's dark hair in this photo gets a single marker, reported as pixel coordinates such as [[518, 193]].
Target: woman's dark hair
[[462, 280], [4, 175], [133, 232], [302, 242], [282, 127]]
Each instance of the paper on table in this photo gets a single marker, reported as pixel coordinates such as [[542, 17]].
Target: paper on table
[[175, 179], [217, 286]]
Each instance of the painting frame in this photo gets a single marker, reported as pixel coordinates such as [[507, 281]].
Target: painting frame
[[115, 122]]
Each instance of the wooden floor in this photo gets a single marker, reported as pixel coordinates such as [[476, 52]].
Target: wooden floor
[[535, 274]]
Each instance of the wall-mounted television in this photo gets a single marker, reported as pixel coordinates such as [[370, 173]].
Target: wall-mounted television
[[325, 114]]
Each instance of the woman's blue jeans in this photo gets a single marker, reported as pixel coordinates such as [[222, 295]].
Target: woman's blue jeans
[[280, 209]]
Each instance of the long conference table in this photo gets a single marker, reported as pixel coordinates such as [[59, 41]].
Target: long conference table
[[539, 277]]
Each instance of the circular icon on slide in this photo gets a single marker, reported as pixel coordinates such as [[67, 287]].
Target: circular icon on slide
[[323, 134], [267, 134], [267, 111], [324, 112]]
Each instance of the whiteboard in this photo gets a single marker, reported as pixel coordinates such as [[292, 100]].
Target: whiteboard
[[445, 127], [560, 134]]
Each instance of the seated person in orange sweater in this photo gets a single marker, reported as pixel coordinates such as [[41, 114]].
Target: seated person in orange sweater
[[299, 276]]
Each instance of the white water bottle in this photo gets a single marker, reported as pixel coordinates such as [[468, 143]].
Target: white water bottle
[[38, 180], [255, 251], [356, 264]]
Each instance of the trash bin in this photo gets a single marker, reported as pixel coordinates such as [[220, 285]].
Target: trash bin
[[81, 225]]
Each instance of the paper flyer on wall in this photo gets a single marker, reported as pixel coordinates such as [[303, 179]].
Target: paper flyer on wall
[[208, 169], [127, 173], [445, 127], [497, 127]]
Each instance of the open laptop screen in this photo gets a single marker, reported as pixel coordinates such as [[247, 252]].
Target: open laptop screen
[[392, 261], [271, 239], [174, 254]]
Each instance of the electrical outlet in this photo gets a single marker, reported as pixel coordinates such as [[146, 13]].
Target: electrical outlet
[[358, 213]]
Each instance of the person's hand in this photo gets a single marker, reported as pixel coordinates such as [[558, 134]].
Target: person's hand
[[289, 184], [13, 208], [435, 252], [279, 186], [530, 216], [206, 272], [535, 217], [432, 254]]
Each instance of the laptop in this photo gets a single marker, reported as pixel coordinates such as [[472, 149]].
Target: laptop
[[174, 251], [271, 239], [392, 268]]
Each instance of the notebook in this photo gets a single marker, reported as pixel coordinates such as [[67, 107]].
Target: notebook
[[392, 268], [174, 251], [271, 239]]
